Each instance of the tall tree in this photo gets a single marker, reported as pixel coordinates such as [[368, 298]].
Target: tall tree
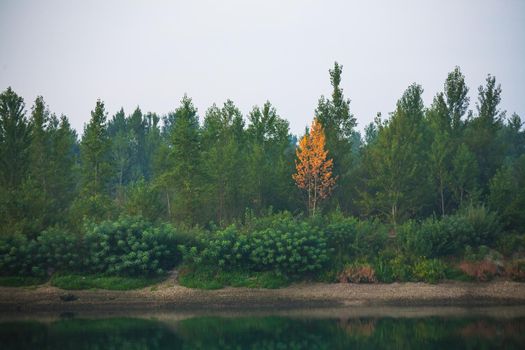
[[314, 169], [96, 168], [14, 139], [338, 122], [270, 159], [396, 184], [223, 140], [481, 133], [184, 155], [14, 158], [37, 186], [441, 149], [121, 150], [63, 161], [456, 97]]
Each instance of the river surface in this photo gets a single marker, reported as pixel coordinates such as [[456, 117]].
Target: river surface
[[350, 328]]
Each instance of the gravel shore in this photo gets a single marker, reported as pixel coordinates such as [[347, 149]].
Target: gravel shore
[[170, 296]]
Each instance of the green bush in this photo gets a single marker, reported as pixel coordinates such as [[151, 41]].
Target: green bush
[[511, 243], [225, 248], [130, 246], [54, 249], [282, 244], [16, 253], [485, 226], [429, 270], [350, 238], [289, 247], [58, 249], [391, 266], [434, 238]]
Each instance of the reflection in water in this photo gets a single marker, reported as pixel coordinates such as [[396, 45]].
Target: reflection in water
[[266, 333]]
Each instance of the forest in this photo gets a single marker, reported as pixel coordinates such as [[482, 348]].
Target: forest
[[426, 194]]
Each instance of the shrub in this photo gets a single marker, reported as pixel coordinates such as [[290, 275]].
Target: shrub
[[289, 247], [283, 244], [412, 239], [434, 238], [226, 248], [58, 249], [515, 270], [350, 238], [483, 270], [509, 244], [358, 273], [485, 225], [393, 266], [130, 246], [16, 253], [429, 270]]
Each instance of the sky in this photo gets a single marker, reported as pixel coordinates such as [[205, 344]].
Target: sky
[[150, 53]]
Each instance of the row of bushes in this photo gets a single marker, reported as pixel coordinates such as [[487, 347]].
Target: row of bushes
[[336, 246], [128, 246], [398, 269], [449, 236], [285, 245]]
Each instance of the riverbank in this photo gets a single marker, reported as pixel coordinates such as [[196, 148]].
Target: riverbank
[[170, 296]]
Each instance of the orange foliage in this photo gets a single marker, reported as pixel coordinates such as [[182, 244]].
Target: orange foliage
[[482, 270], [314, 170], [358, 274]]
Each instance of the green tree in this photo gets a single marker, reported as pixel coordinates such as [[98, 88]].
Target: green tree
[[63, 163], [457, 101], [440, 149], [269, 160], [223, 141], [37, 185], [481, 132], [396, 180], [464, 174], [507, 194], [122, 149], [184, 159], [96, 168], [338, 122], [15, 140]]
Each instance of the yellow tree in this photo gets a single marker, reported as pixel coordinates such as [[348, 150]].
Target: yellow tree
[[314, 170]]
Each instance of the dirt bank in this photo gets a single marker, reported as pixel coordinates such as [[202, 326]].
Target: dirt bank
[[169, 296]]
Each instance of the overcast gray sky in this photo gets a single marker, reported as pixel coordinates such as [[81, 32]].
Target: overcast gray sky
[[149, 53]]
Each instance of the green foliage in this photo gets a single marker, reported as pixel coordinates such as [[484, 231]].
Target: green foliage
[[511, 243], [57, 249], [395, 163], [419, 162], [284, 245], [289, 247], [130, 246], [78, 282], [430, 270], [350, 238], [213, 278], [507, 194], [15, 255], [21, 281], [433, 238], [54, 249]]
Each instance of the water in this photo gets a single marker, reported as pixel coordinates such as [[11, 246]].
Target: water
[[402, 329]]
